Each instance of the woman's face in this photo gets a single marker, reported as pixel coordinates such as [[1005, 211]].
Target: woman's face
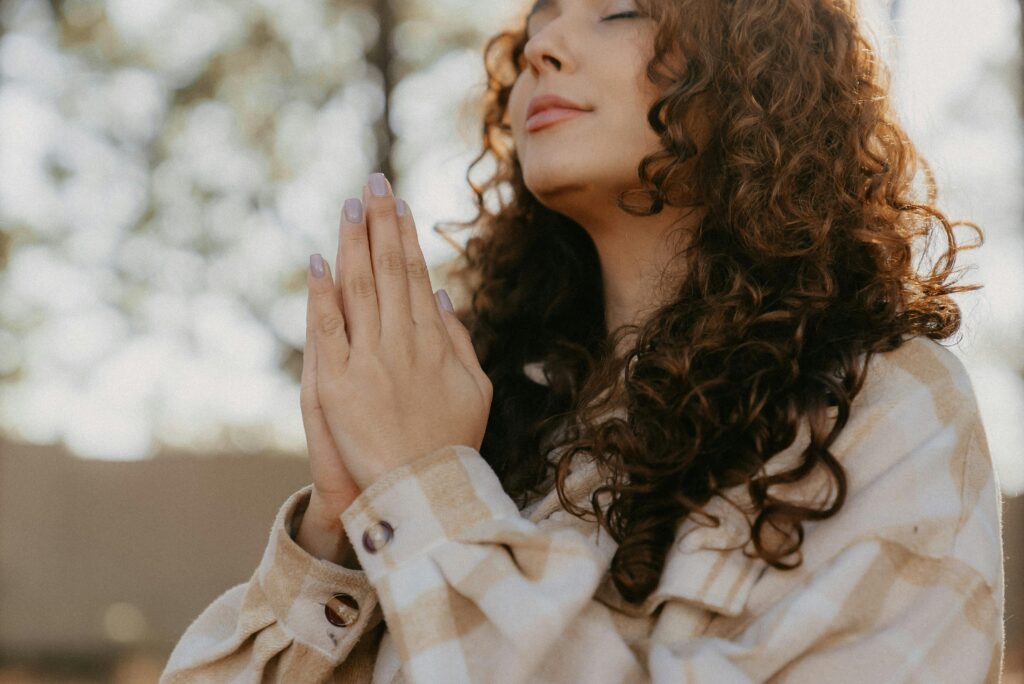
[[594, 53]]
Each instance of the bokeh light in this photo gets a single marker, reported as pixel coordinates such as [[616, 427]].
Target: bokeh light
[[167, 167]]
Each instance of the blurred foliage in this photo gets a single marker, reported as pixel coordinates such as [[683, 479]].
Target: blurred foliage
[[171, 165], [167, 167]]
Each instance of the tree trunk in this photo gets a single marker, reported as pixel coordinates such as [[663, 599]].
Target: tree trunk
[[380, 57]]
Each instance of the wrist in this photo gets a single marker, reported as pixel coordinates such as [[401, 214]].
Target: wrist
[[326, 513], [320, 533], [318, 539]]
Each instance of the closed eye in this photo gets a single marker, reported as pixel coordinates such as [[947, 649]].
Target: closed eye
[[622, 15]]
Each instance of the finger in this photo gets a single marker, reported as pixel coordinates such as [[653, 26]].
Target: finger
[[339, 273], [462, 342], [308, 382], [332, 345], [319, 441], [358, 289], [388, 258], [309, 397], [421, 293]]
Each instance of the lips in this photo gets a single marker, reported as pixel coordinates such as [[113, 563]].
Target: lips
[[552, 115], [542, 102], [547, 109]]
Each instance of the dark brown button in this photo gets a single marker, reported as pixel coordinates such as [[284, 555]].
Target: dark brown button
[[341, 610], [376, 536]]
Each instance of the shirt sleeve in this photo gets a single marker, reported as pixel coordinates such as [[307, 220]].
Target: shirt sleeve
[[473, 592], [277, 624]]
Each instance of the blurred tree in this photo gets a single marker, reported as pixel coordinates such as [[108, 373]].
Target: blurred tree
[[381, 57], [170, 166]]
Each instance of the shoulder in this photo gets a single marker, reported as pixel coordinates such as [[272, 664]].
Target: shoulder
[[919, 483], [913, 555], [921, 490], [915, 421], [923, 373], [919, 474], [916, 469]]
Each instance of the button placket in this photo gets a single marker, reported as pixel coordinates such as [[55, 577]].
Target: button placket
[[341, 610]]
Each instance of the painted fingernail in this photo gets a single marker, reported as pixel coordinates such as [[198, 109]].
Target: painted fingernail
[[354, 211], [316, 265], [378, 184], [400, 207], [446, 301]]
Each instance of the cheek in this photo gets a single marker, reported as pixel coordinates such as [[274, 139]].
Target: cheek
[[513, 95], [638, 96], [515, 112]]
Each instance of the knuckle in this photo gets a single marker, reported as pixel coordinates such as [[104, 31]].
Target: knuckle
[[323, 297], [486, 386], [332, 324], [381, 208], [416, 269], [392, 263], [362, 285], [356, 236]]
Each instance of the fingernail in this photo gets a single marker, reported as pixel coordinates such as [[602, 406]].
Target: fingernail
[[378, 184], [400, 207], [353, 211], [446, 301], [316, 265]]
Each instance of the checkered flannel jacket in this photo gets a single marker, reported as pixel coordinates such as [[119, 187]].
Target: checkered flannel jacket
[[456, 584]]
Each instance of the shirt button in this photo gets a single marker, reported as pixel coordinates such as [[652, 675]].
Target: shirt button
[[341, 610], [376, 536]]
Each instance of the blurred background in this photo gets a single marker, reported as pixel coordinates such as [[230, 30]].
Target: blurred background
[[166, 169]]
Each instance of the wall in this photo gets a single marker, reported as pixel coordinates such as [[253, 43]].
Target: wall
[[167, 536]]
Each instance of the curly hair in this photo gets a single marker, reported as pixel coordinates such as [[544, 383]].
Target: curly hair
[[800, 269]]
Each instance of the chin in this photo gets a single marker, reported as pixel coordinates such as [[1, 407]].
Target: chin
[[554, 192], [554, 171]]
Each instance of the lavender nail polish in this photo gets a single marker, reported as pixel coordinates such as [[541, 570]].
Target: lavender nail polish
[[316, 264], [446, 301], [378, 184], [353, 211]]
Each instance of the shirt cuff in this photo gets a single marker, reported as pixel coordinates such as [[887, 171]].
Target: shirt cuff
[[301, 589], [423, 504]]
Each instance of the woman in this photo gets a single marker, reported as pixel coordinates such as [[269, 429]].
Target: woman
[[699, 279]]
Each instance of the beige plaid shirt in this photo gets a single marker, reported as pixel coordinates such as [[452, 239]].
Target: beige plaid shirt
[[904, 584]]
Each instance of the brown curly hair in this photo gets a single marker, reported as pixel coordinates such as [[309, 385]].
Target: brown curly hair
[[799, 270]]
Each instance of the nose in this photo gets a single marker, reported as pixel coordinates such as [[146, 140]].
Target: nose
[[546, 49]]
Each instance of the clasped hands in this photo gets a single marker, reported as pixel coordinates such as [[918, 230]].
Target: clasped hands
[[388, 375]]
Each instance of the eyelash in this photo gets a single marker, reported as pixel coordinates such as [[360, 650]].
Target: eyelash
[[622, 15]]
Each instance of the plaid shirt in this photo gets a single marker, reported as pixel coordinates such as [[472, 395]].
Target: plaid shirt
[[904, 584]]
